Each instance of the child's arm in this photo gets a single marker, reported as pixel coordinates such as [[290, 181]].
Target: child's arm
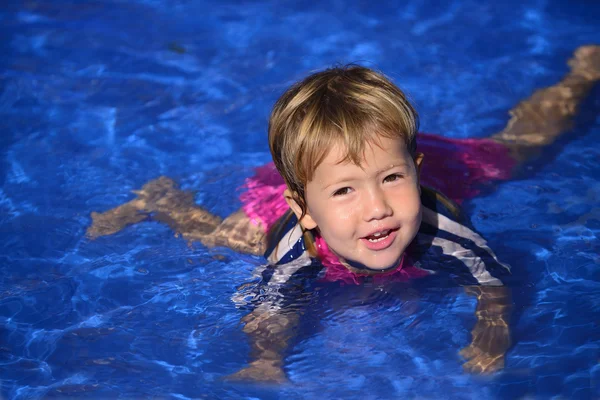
[[269, 332], [535, 123], [161, 200], [281, 297], [466, 256], [491, 334], [539, 120]]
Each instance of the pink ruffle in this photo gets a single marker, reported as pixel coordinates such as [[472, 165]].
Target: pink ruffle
[[263, 200], [458, 167], [336, 271]]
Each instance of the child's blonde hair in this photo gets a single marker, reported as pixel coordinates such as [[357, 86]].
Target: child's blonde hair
[[351, 105]]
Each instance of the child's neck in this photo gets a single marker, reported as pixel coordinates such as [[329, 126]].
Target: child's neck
[[369, 271]]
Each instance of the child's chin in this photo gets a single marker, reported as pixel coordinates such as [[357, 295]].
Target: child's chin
[[385, 267]]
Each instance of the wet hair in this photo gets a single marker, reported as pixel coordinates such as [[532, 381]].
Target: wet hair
[[352, 106]]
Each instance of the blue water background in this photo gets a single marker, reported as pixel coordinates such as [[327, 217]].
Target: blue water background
[[97, 97]]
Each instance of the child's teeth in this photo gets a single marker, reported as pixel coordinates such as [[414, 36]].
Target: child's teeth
[[376, 237]]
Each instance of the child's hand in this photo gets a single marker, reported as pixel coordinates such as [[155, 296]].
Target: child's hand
[[112, 221], [260, 371], [157, 196], [485, 354]]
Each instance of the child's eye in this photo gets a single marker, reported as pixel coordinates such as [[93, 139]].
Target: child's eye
[[342, 191], [392, 178]]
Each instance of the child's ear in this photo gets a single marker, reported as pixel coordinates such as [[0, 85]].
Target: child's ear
[[418, 162], [306, 221]]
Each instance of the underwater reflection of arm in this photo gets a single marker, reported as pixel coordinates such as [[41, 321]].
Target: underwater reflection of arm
[[161, 200], [280, 298]]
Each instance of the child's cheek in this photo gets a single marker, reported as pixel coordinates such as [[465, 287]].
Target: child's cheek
[[344, 214]]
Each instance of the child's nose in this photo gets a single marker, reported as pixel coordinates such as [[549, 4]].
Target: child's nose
[[377, 205]]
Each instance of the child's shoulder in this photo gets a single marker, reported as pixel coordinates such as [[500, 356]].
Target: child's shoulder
[[447, 242], [439, 203], [285, 240]]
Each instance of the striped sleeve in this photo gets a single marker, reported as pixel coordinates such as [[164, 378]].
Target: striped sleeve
[[446, 245], [280, 286], [285, 242], [290, 272]]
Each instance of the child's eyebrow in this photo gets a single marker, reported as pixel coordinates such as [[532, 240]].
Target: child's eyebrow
[[391, 166], [339, 181]]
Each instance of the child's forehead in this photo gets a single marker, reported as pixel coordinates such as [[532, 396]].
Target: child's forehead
[[370, 150]]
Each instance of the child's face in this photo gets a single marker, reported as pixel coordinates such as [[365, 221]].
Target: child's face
[[367, 214]]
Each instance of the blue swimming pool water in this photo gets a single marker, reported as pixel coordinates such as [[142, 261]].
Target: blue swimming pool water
[[98, 97]]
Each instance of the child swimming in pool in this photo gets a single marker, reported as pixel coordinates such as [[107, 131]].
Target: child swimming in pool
[[350, 198]]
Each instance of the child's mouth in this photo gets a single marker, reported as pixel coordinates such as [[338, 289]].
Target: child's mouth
[[378, 236], [380, 240]]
